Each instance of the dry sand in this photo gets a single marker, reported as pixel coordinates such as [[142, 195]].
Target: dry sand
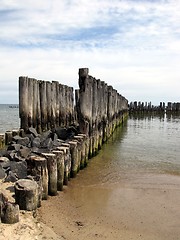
[[28, 228], [146, 207]]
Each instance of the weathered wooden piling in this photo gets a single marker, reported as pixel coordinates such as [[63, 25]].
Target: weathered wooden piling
[[141, 107], [37, 166], [10, 213], [2, 140], [74, 157], [8, 137], [60, 168], [45, 105], [26, 194], [67, 162], [23, 102], [100, 109], [52, 173]]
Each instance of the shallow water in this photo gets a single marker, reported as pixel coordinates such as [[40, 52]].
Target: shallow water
[[130, 190], [148, 144]]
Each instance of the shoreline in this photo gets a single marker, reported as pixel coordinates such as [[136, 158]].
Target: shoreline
[[147, 208]]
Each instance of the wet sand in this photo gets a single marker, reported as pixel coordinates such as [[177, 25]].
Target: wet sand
[[141, 206]]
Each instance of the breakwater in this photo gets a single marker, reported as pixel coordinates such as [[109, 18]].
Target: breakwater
[[170, 107], [56, 137]]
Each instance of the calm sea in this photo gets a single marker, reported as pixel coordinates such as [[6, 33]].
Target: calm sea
[[9, 117], [144, 144]]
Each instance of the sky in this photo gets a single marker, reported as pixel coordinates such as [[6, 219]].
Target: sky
[[133, 45]]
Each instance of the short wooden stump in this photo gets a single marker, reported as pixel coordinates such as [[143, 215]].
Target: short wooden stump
[[26, 194]]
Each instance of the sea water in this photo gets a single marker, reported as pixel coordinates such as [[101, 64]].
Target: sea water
[[130, 190], [145, 143], [9, 117]]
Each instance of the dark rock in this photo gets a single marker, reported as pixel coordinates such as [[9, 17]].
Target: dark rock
[[11, 155], [14, 156], [19, 168], [61, 133], [2, 152], [24, 152], [55, 137], [4, 162], [17, 157], [33, 131], [23, 141], [36, 142], [16, 138], [12, 177], [31, 138], [2, 172], [39, 151], [57, 143], [14, 146], [71, 132], [66, 133], [45, 135], [47, 143]]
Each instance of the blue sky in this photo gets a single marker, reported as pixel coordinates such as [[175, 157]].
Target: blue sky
[[133, 45]]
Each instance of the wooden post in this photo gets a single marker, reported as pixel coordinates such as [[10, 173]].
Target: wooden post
[[52, 173], [53, 104], [35, 102], [23, 102], [67, 157], [57, 103], [30, 102], [60, 169], [48, 94], [74, 158], [43, 105], [38, 113], [62, 105], [66, 163], [86, 147], [2, 140], [10, 213], [37, 166], [26, 194], [72, 118], [80, 139], [8, 137]]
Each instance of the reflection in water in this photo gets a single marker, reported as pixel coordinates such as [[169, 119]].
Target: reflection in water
[[125, 187], [145, 144]]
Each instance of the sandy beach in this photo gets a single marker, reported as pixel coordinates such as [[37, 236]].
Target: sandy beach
[[147, 208], [29, 227]]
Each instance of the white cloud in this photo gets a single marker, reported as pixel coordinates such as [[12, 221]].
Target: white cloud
[[132, 45]]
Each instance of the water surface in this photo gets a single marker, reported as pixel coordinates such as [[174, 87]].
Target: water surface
[[130, 190], [9, 117]]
